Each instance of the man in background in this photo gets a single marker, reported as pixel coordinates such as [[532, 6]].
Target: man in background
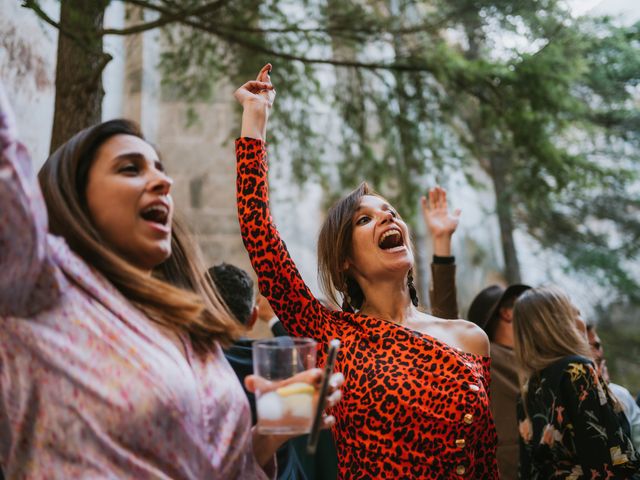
[[629, 407], [492, 310], [237, 290]]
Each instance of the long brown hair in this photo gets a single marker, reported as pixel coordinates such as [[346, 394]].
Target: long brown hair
[[544, 327], [179, 295], [334, 248]]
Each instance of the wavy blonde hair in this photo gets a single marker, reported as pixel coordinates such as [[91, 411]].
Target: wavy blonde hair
[[545, 330]]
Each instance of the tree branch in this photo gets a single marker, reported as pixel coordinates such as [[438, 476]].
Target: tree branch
[[400, 67], [334, 30], [262, 48], [104, 60], [33, 5], [206, 8], [167, 16], [171, 15], [142, 27]]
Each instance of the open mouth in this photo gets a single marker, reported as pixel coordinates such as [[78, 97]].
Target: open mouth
[[157, 213], [391, 239]]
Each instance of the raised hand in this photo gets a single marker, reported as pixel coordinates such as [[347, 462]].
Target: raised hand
[[258, 92], [256, 97], [440, 222]]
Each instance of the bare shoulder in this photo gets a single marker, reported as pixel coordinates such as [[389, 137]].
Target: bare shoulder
[[472, 337], [462, 334]]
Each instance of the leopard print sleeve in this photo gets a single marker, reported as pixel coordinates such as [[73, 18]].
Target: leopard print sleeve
[[278, 278]]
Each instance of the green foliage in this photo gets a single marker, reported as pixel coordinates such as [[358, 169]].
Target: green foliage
[[620, 337], [585, 166], [197, 62], [423, 90], [405, 92]]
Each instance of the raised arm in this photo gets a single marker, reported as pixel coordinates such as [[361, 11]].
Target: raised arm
[[27, 276], [441, 225], [278, 277]]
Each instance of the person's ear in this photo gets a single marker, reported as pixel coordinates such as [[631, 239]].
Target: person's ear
[[346, 265], [506, 314], [253, 317]]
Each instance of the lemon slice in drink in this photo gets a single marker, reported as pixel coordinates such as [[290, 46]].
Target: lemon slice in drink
[[295, 389]]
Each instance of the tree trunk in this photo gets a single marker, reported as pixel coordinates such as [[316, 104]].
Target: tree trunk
[[505, 218], [80, 63], [497, 165]]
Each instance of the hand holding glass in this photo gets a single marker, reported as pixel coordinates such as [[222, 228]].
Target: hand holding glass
[[284, 403]]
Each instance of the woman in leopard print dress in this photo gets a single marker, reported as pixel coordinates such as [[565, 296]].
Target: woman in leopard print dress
[[416, 401]]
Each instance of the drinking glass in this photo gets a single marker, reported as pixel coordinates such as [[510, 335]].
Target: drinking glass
[[285, 405]]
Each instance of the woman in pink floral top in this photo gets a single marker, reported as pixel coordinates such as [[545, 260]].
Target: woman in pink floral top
[[110, 358]]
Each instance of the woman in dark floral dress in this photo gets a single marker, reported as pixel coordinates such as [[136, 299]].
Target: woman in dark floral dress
[[571, 427]]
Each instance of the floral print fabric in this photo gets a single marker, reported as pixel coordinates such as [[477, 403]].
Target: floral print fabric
[[89, 387], [571, 427]]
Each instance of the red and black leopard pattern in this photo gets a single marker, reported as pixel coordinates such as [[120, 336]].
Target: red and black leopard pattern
[[412, 406]]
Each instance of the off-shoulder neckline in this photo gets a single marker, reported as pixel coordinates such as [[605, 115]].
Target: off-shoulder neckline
[[425, 335]]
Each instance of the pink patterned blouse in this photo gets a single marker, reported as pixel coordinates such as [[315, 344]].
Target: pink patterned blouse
[[89, 388]]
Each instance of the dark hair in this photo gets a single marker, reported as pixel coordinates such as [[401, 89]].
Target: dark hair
[[485, 308], [334, 247], [508, 301], [236, 288], [179, 295]]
